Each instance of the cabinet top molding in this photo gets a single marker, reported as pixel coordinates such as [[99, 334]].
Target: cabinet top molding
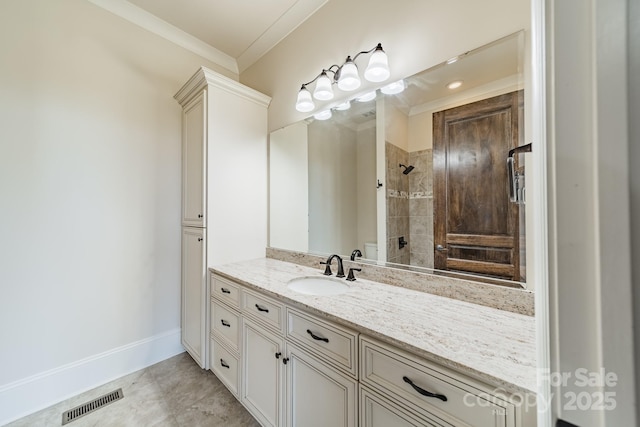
[[205, 77]]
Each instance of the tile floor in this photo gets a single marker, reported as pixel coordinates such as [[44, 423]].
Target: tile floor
[[172, 393]]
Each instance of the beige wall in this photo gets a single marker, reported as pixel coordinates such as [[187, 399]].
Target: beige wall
[[416, 35], [90, 190]]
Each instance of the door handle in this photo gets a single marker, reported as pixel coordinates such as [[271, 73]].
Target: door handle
[[441, 248]]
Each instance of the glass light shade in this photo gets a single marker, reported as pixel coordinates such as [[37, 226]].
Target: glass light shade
[[367, 96], [343, 106], [304, 104], [393, 88], [349, 79], [323, 90], [378, 68], [323, 115]]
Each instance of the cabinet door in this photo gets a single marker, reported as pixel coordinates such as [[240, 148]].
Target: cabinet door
[[194, 133], [318, 395], [262, 355], [194, 289]]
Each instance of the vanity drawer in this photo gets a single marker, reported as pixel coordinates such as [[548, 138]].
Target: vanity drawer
[[225, 366], [378, 411], [335, 343], [264, 309], [225, 290], [225, 323], [392, 371]]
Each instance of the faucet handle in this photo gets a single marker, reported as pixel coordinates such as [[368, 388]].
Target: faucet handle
[[350, 276], [327, 269]]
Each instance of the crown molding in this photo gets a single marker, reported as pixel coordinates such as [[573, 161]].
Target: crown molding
[[299, 12], [155, 25], [205, 77]]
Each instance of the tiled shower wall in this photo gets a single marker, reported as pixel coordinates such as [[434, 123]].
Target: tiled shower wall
[[397, 204], [421, 208], [409, 206]]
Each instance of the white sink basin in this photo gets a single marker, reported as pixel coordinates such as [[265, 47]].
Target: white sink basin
[[318, 286]]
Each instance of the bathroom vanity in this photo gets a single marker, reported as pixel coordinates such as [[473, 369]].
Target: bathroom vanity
[[373, 355]]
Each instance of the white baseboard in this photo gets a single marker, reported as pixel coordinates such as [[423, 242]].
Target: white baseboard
[[31, 394]]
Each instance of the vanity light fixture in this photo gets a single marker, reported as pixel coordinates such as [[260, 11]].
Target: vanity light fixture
[[366, 97], [455, 85], [345, 76], [304, 103], [323, 115], [343, 106], [393, 88]]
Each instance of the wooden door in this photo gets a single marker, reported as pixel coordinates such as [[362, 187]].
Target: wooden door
[[476, 227]]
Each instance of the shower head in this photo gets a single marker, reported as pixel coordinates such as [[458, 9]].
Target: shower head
[[407, 169]]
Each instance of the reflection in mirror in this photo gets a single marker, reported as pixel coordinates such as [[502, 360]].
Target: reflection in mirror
[[322, 175], [325, 175]]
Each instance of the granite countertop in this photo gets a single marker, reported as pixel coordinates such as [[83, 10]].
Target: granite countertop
[[495, 346]]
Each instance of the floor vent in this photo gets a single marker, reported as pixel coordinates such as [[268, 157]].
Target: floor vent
[[87, 408]]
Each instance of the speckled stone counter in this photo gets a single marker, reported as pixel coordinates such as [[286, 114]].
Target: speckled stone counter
[[495, 346]]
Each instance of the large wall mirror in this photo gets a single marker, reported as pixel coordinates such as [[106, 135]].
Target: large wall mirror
[[416, 179]]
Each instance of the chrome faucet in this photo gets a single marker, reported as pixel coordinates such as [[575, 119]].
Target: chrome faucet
[[327, 270]]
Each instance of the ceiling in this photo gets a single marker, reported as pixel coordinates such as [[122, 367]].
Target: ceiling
[[232, 33]]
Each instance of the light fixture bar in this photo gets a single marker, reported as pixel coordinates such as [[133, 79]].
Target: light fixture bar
[[345, 76]]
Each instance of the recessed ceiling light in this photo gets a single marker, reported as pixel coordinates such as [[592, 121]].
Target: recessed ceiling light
[[455, 85]]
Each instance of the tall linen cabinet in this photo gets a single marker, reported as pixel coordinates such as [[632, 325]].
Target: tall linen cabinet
[[224, 190]]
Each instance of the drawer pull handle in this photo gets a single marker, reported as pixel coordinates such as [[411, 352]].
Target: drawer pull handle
[[224, 364], [225, 290], [317, 338], [225, 323], [266, 310], [423, 391]]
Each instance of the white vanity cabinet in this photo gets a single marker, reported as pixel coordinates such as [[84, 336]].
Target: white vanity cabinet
[[286, 376], [293, 368], [224, 126]]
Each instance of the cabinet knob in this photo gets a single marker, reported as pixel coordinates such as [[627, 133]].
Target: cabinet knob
[[199, 215], [278, 354], [285, 360], [199, 239]]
